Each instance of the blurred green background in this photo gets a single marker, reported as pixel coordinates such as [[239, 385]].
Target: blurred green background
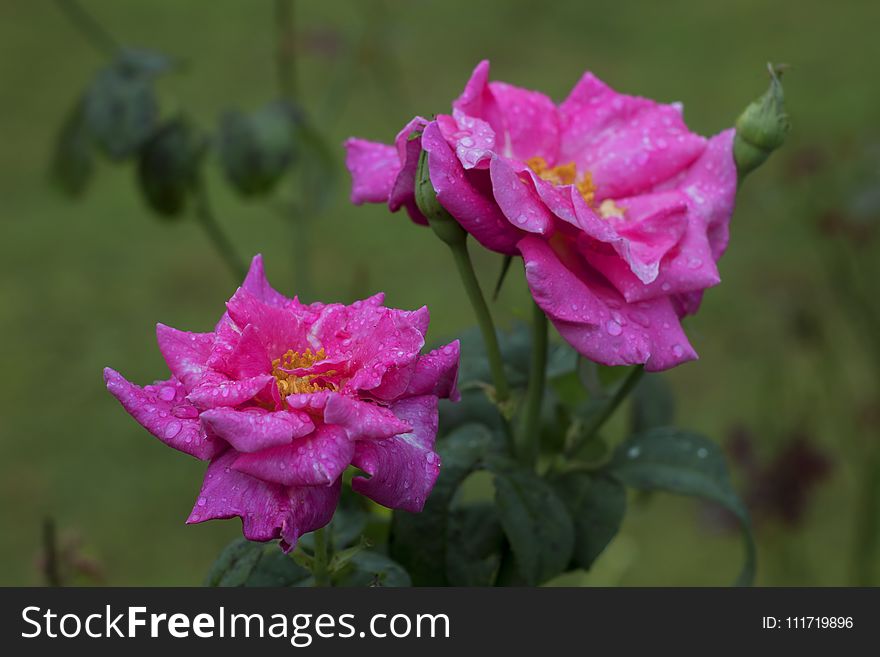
[[784, 351]]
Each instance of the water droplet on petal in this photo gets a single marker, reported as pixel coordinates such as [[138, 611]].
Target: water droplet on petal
[[202, 501], [172, 429], [677, 350], [613, 327], [167, 393]]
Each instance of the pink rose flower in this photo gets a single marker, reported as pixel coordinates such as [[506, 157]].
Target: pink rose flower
[[282, 397], [619, 211]]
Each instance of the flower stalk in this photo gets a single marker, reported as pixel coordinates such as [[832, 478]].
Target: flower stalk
[[529, 442], [598, 419], [321, 561], [451, 232], [212, 228]]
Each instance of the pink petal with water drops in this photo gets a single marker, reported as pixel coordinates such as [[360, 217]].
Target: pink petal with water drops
[[472, 139], [628, 143], [317, 459], [402, 469], [228, 393], [363, 420], [402, 192], [595, 319], [468, 199], [251, 430], [517, 197], [186, 353], [436, 373], [162, 409], [257, 284], [373, 168]]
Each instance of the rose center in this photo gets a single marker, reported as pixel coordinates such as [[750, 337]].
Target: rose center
[[567, 174], [290, 383]]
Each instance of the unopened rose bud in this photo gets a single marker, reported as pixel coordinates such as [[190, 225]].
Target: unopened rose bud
[[762, 127], [441, 222]]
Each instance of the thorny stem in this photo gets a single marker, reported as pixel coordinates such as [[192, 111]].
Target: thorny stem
[[90, 28], [530, 434], [214, 231]]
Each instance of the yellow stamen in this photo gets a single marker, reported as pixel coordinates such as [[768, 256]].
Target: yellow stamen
[[290, 384], [609, 208], [566, 174]]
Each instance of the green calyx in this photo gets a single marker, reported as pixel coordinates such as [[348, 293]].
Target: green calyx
[[441, 222], [762, 127]]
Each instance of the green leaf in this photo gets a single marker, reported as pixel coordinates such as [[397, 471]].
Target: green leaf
[[687, 463], [372, 569], [653, 404], [475, 407], [246, 563], [420, 541], [476, 541], [73, 160], [168, 166], [561, 361], [235, 563], [257, 149], [597, 505], [144, 62], [120, 110], [536, 522], [277, 569]]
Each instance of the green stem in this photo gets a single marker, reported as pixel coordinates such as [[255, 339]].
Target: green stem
[[214, 231], [50, 548], [484, 319], [321, 560], [598, 419], [299, 227], [286, 54], [867, 537], [530, 430], [90, 28], [288, 85]]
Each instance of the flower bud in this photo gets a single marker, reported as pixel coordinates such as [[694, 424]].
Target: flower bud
[[762, 127], [441, 222]]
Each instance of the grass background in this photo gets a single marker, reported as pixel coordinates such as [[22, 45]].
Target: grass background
[[84, 283]]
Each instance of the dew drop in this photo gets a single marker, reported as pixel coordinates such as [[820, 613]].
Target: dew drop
[[172, 429], [167, 393], [202, 501], [677, 350], [613, 327]]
